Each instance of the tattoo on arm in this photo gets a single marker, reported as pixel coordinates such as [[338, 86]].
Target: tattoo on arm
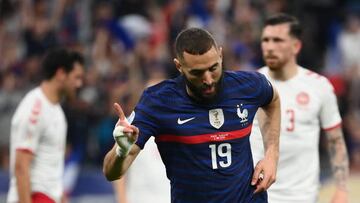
[[338, 157]]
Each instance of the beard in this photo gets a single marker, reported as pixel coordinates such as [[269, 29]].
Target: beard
[[274, 63], [197, 91]]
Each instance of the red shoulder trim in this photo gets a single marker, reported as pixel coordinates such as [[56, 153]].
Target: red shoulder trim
[[333, 127], [25, 150]]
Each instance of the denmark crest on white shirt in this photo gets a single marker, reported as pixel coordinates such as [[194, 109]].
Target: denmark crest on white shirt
[[303, 98], [216, 117]]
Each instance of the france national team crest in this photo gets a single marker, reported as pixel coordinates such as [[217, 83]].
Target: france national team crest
[[242, 113], [216, 117]]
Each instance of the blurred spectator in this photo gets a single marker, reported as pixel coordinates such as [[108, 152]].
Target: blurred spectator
[[38, 27], [10, 96], [68, 20], [243, 36], [349, 44]]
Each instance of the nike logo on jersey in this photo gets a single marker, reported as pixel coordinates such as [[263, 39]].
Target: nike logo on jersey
[[180, 122]]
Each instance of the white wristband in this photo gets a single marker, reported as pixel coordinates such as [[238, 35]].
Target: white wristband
[[122, 140], [120, 153]]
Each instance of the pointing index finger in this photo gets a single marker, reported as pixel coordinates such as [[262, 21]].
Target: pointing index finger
[[119, 111]]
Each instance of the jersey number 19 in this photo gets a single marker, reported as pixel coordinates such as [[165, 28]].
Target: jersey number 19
[[222, 150]]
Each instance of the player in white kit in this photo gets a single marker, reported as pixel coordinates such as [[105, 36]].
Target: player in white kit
[[38, 132], [308, 103], [138, 185]]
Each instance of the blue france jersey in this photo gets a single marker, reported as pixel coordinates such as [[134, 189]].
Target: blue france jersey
[[205, 147]]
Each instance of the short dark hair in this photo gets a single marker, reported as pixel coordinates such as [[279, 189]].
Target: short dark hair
[[281, 18], [59, 58], [194, 41]]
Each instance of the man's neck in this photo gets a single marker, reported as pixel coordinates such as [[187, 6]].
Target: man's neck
[[284, 73], [51, 91]]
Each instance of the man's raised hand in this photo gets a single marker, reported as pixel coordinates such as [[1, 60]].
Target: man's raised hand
[[125, 135]]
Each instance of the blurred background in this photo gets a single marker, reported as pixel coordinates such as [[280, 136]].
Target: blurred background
[[127, 45]]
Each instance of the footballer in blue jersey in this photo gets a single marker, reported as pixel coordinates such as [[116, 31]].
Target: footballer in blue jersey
[[201, 122], [205, 146]]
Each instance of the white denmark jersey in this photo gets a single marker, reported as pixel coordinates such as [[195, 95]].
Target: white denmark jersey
[[39, 127], [146, 180], [308, 103]]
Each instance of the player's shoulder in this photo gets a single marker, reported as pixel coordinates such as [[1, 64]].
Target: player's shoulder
[[32, 103], [315, 79], [165, 87], [32, 96], [250, 77], [166, 92], [264, 70]]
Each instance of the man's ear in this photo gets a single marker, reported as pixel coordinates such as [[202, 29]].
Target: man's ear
[[60, 74], [177, 64], [221, 55], [297, 46]]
